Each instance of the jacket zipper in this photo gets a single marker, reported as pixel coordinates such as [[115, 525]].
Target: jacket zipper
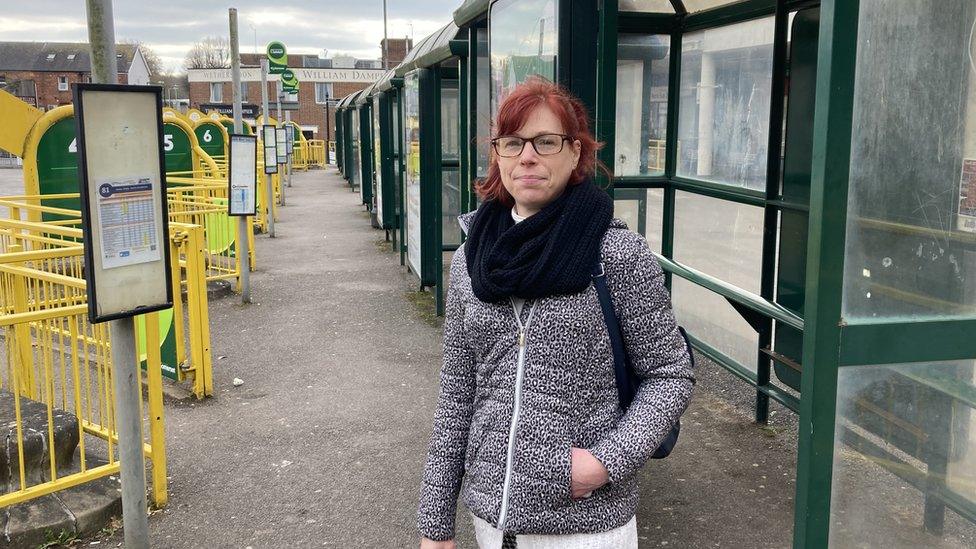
[[519, 371]]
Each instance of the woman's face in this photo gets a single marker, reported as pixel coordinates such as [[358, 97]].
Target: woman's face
[[534, 180]]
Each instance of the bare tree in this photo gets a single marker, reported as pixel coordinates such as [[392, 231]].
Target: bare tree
[[213, 52]]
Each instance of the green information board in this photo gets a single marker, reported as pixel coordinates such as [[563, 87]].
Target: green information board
[[289, 82], [211, 138], [277, 57]]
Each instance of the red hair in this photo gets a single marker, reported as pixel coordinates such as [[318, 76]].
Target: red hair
[[514, 111]]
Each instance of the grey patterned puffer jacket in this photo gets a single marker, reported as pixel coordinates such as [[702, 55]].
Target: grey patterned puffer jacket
[[508, 414]]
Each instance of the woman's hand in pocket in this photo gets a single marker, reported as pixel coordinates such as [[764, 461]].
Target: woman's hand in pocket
[[588, 473]]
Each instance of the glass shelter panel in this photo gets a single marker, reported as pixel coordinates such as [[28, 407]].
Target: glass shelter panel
[[523, 36], [397, 136], [645, 6], [377, 160], [701, 5], [450, 174], [642, 104], [709, 317], [723, 114], [719, 238], [411, 141], [911, 244], [356, 167], [643, 212], [905, 439], [482, 119]]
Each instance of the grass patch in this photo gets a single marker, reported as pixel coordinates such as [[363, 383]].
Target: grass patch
[[385, 246], [423, 303]]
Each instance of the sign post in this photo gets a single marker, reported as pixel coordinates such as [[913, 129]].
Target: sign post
[[125, 144], [245, 151], [269, 161], [281, 141], [123, 195]]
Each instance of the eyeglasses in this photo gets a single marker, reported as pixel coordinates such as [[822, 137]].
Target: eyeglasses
[[548, 144]]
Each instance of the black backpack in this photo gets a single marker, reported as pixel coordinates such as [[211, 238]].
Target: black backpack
[[627, 380]]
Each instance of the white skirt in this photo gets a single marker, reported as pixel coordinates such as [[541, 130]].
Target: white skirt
[[623, 537]]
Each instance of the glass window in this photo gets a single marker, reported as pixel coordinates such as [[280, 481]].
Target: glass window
[[523, 37], [643, 212], [377, 159], [450, 117], [356, 168], [396, 137], [646, 6], [482, 118], [719, 238], [700, 5], [450, 206], [911, 236], [642, 104], [62, 83], [708, 316], [450, 175], [323, 91], [723, 115], [216, 92], [411, 140], [901, 429]]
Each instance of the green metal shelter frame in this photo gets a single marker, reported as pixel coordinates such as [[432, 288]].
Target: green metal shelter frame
[[390, 91], [363, 114], [385, 155], [342, 137], [431, 73]]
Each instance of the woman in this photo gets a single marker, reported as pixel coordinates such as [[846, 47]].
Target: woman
[[528, 414]]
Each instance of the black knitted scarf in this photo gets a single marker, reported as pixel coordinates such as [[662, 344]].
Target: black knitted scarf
[[550, 253]]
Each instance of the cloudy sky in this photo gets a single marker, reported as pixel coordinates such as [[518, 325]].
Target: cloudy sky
[[171, 27]]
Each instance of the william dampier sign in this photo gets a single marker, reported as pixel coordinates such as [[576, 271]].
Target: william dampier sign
[[366, 76]]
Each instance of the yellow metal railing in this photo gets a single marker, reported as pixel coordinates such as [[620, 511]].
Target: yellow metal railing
[[56, 361], [189, 263]]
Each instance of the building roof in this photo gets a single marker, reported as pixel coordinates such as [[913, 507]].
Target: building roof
[[67, 56]]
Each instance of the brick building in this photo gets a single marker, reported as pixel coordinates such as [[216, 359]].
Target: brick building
[[41, 73], [322, 82]]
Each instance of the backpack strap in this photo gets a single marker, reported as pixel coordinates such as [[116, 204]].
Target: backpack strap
[[625, 383]]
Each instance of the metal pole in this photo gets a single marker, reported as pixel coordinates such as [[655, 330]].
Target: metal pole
[[242, 242], [386, 46], [267, 178], [289, 131], [125, 367], [281, 93]]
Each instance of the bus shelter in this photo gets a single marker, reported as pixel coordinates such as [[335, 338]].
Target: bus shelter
[[804, 171]]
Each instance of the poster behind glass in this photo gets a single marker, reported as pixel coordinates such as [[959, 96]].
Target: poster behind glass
[[411, 141], [523, 36], [377, 170]]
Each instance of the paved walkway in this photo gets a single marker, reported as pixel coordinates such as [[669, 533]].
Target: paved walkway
[[323, 445]]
